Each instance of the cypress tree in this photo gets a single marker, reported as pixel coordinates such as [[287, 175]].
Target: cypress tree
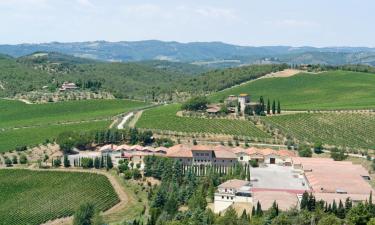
[[348, 204], [66, 161], [278, 107], [273, 107], [253, 211], [305, 200], [259, 211], [268, 107], [340, 211], [334, 207]]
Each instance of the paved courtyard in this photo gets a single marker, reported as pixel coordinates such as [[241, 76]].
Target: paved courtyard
[[277, 177]]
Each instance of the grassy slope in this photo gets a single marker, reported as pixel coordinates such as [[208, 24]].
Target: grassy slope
[[165, 118], [45, 121], [329, 90], [18, 114], [10, 139], [31, 197], [340, 129]]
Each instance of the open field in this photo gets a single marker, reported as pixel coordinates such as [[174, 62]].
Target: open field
[[325, 91], [18, 114], [10, 139], [340, 129], [165, 118], [34, 197]]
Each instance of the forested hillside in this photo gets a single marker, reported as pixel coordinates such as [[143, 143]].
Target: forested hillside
[[150, 80]]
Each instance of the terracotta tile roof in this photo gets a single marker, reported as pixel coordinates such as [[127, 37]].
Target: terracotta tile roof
[[201, 148], [285, 200], [268, 151], [238, 150], [329, 176], [286, 153], [136, 147], [224, 154], [108, 148], [329, 197], [221, 147], [123, 147], [148, 148], [161, 149], [235, 184], [179, 150]]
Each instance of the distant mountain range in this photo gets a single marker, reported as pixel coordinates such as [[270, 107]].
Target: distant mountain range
[[212, 54]]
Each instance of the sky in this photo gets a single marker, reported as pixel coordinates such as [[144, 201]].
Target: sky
[[316, 23]]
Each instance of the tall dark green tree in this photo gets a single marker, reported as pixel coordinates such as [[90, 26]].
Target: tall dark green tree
[[278, 107], [273, 107], [268, 107]]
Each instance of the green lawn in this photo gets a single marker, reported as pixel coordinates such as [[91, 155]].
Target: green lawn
[[18, 114], [325, 91], [34, 197], [165, 118], [10, 139], [340, 129]]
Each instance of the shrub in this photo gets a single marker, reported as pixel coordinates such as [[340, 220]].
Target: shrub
[[304, 151], [254, 163], [195, 104], [128, 174], [8, 162], [57, 162], [23, 159], [15, 159], [338, 155], [87, 163]]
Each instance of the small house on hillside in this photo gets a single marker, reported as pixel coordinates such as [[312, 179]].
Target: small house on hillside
[[66, 86]]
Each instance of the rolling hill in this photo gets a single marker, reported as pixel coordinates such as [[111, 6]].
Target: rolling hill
[[211, 54], [307, 91]]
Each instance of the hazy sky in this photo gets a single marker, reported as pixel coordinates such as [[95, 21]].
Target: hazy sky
[[245, 22]]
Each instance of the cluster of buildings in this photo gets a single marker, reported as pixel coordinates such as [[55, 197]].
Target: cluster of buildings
[[234, 104], [193, 155], [327, 179], [67, 86]]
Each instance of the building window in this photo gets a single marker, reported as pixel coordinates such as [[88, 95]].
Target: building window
[[241, 158], [226, 190], [227, 197], [180, 160], [222, 197], [223, 160], [231, 198]]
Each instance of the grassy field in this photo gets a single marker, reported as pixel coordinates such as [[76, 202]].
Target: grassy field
[[37, 122], [34, 197], [325, 91], [10, 139], [340, 129], [18, 114], [165, 118]]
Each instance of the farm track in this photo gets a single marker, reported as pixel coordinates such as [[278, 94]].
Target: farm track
[[117, 187]]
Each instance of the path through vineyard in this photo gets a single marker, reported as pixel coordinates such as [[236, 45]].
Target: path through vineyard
[[118, 188]]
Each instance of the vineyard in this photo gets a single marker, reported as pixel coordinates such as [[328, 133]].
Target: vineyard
[[18, 114], [25, 124], [339, 129], [10, 139], [34, 197], [324, 91], [165, 118]]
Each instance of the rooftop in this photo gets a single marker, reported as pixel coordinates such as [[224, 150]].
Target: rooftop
[[234, 184]]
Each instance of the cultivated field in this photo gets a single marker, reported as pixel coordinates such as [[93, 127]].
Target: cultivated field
[[340, 129], [325, 91], [38, 122], [18, 114], [34, 197], [165, 118], [10, 139]]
